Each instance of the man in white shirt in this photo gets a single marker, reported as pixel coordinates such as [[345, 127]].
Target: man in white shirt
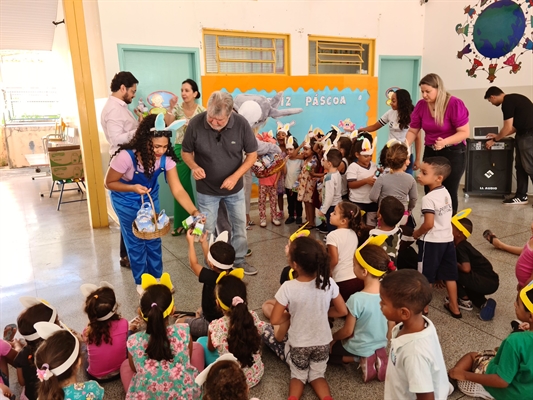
[[119, 124]]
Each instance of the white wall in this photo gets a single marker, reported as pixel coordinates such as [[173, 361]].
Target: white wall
[[396, 25]]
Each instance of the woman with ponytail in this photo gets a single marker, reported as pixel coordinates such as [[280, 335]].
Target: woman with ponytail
[[160, 363], [239, 330], [58, 360]]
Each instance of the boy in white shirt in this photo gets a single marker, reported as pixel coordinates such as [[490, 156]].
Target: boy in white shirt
[[437, 259], [416, 368], [332, 189]]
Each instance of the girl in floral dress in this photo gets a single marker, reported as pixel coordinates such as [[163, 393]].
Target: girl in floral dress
[[239, 330], [160, 357], [307, 183]]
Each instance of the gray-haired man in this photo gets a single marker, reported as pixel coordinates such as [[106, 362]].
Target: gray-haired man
[[212, 148]]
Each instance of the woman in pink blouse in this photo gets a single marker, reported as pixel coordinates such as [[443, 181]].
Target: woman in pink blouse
[[444, 119]]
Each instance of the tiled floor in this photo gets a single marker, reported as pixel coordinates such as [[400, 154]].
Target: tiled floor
[[49, 254]]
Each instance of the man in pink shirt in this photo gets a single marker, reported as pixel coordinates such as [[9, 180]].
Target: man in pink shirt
[[119, 124]]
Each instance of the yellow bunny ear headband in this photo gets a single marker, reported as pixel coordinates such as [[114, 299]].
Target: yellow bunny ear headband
[[526, 295], [238, 273], [148, 280], [27, 302], [45, 330], [456, 221], [299, 233], [378, 241], [87, 289]]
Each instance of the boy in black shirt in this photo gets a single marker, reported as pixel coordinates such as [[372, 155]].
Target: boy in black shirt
[[220, 257], [476, 276]]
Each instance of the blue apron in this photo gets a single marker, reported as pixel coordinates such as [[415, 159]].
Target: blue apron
[[145, 255]]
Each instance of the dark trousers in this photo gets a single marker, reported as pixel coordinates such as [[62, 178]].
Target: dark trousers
[[457, 157], [328, 216], [523, 162], [294, 206], [123, 251], [475, 286]]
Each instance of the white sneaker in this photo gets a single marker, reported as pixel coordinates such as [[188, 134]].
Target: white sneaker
[[276, 222], [263, 224], [140, 290]]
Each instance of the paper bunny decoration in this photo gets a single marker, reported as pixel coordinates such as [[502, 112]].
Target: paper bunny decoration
[[160, 125]]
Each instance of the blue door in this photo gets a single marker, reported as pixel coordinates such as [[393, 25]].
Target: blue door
[[402, 72], [160, 68]]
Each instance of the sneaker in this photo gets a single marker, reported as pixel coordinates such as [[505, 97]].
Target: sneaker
[[276, 222], [248, 253], [368, 366], [289, 220], [263, 224], [487, 310], [248, 269], [464, 304], [322, 228], [298, 220], [516, 200], [382, 359], [125, 262]]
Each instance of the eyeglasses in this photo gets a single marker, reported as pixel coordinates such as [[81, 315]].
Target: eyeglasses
[[167, 134]]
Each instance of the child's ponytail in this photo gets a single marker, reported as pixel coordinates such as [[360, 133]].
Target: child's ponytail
[[155, 300], [352, 213], [312, 258], [53, 352], [378, 259], [243, 338], [100, 307]]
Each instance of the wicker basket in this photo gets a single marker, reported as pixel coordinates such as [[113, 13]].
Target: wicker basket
[[275, 167], [155, 234]]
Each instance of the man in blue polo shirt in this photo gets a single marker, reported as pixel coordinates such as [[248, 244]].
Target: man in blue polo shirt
[[213, 149]]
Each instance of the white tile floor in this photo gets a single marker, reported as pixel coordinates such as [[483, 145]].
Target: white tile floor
[[49, 254]]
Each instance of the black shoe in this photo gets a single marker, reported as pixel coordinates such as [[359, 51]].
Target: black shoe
[[298, 220], [516, 200], [322, 228], [125, 262], [289, 220]]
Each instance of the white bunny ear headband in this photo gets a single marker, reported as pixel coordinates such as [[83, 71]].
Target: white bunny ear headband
[[392, 142], [160, 127], [289, 143], [27, 302], [285, 128], [223, 237], [368, 148], [327, 147], [202, 376], [45, 330], [88, 289]]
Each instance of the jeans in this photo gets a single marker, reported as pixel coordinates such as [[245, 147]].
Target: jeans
[[457, 157], [235, 205], [523, 162]]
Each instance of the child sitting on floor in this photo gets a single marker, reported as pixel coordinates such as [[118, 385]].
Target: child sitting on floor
[[416, 368], [508, 372], [476, 276], [238, 332], [390, 212], [363, 337], [220, 257], [58, 360], [106, 333], [436, 252]]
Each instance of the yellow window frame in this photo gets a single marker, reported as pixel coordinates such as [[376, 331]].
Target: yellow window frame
[[330, 42], [247, 34]]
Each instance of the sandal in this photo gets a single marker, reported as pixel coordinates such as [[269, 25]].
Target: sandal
[[456, 316], [178, 232], [489, 236]]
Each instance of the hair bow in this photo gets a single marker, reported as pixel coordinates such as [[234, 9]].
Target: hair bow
[[160, 125], [28, 301], [45, 330], [456, 220], [376, 240], [148, 280]]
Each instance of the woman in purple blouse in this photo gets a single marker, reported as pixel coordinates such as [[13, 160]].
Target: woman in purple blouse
[[444, 119]]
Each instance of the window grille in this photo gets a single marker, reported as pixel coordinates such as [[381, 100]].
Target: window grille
[[30, 105], [340, 56]]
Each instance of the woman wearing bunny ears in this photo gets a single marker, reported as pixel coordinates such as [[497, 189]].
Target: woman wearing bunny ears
[[133, 172]]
